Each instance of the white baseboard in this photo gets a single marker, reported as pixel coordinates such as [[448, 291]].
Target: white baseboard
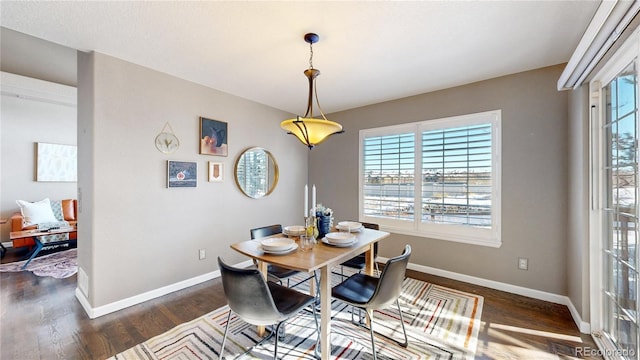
[[584, 326], [95, 312], [514, 289]]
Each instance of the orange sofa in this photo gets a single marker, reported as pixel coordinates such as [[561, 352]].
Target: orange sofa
[[69, 212]]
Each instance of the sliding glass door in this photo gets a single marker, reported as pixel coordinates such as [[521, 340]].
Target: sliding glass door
[[615, 186], [619, 212]]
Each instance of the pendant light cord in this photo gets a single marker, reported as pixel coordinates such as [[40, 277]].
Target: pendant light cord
[[314, 81]]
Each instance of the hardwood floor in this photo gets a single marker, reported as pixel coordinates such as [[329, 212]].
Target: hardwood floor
[[41, 319]]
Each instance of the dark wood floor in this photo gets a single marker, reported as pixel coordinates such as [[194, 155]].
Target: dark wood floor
[[41, 319]]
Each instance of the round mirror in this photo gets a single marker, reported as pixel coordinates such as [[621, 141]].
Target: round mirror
[[256, 172]]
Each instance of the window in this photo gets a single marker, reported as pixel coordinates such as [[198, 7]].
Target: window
[[458, 191]]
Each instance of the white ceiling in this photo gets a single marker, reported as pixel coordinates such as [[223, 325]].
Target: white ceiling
[[368, 51]]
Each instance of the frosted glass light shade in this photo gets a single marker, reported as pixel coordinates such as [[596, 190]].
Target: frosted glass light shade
[[311, 131]]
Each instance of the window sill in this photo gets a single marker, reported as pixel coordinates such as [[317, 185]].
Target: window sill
[[495, 243]]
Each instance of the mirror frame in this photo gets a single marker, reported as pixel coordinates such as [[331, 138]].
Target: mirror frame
[[275, 167]]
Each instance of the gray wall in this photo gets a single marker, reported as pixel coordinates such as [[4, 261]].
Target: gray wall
[[33, 57], [534, 176], [25, 122], [578, 200], [139, 235]]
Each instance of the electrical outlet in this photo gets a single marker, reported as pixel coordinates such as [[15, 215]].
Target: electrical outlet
[[202, 254], [523, 263]]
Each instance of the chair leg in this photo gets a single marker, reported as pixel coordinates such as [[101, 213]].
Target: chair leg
[[373, 342], [406, 340], [282, 333], [317, 279], [360, 321], [315, 318], [404, 331], [353, 308], [224, 338], [275, 350]]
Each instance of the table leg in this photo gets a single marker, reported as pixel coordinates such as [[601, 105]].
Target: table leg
[[262, 267], [35, 252], [312, 285], [368, 268], [325, 312], [369, 261]]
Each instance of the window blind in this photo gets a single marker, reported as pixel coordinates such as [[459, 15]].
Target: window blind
[[456, 171], [389, 176]]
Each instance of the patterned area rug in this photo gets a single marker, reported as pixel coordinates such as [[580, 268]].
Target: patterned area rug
[[441, 323], [59, 265]]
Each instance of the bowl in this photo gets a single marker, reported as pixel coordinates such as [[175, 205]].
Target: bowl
[[340, 237], [349, 225], [277, 244], [294, 230]]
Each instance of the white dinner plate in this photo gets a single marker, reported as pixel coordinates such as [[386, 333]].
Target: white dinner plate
[[294, 230], [281, 252], [340, 238], [277, 244], [350, 224], [353, 227], [326, 241]]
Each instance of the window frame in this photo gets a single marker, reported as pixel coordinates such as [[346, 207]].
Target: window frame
[[458, 233]]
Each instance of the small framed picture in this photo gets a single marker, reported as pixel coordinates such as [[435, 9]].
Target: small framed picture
[[216, 171], [213, 137], [182, 174]]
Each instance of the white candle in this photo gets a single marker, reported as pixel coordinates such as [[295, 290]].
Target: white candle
[[313, 199], [306, 200]]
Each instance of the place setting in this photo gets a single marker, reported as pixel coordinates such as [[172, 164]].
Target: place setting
[[339, 239], [278, 246], [293, 230], [350, 226]]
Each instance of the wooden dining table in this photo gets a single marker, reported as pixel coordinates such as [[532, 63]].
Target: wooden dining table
[[321, 257]]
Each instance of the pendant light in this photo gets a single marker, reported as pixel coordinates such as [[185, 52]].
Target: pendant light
[[309, 130]]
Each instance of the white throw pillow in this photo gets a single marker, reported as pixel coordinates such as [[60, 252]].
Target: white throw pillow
[[36, 212]]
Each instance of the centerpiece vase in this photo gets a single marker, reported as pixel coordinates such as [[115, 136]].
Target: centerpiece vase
[[324, 225], [311, 227]]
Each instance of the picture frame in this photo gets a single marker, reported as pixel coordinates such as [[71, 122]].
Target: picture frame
[[213, 137], [216, 171], [56, 162], [181, 174]]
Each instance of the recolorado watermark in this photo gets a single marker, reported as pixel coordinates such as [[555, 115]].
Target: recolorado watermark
[[606, 353]]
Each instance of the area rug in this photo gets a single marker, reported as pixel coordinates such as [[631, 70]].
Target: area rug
[[59, 265], [441, 323]]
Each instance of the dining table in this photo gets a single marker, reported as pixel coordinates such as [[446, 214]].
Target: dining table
[[322, 257]]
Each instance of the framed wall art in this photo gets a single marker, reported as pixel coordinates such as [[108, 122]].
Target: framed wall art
[[216, 171], [182, 174], [213, 137], [56, 162]]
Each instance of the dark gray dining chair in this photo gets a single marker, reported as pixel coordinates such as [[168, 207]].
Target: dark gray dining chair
[[261, 303], [372, 293], [359, 262], [276, 273]]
